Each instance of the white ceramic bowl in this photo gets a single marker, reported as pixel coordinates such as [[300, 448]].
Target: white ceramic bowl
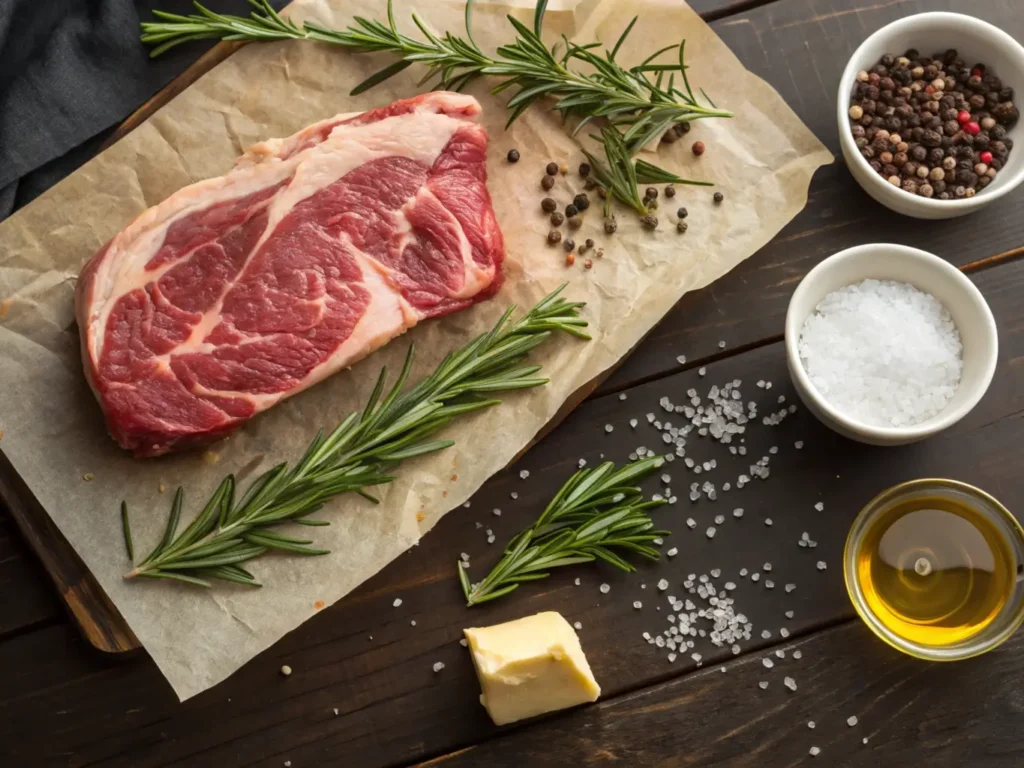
[[976, 41], [885, 261]]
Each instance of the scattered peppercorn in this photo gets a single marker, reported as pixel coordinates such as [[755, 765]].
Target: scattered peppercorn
[[588, 264], [551, 169], [582, 249], [602, 192], [681, 226], [590, 243], [570, 259], [682, 213], [569, 245], [698, 148], [581, 201], [650, 221], [651, 192], [563, 168], [575, 222], [557, 218], [600, 253], [571, 210], [610, 225], [554, 236], [670, 191], [548, 205], [584, 169], [719, 197], [513, 155], [547, 182], [932, 126]]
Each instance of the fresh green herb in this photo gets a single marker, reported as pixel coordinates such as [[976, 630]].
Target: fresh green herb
[[357, 455], [640, 108], [595, 516]]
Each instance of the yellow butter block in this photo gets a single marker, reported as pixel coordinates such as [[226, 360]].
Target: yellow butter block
[[530, 666]]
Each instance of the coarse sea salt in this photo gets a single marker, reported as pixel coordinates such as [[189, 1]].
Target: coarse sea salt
[[882, 352]]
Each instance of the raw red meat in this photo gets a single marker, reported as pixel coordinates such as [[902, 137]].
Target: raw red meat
[[239, 291]]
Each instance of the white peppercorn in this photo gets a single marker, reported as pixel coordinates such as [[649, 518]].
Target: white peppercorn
[[923, 171], [937, 174]]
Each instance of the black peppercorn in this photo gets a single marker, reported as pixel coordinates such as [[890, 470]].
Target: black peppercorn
[[610, 225], [681, 226], [547, 182], [998, 132], [935, 156], [569, 245], [581, 201], [1006, 114], [513, 155], [552, 169], [557, 218], [571, 210], [670, 191], [682, 213], [584, 169], [575, 222], [719, 197], [589, 243], [918, 154], [887, 60], [554, 236], [548, 205], [651, 192], [650, 221]]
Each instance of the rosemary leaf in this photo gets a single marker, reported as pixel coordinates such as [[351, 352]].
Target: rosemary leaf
[[582, 82], [594, 514], [355, 455]]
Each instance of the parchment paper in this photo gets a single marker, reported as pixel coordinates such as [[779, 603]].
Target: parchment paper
[[53, 432]]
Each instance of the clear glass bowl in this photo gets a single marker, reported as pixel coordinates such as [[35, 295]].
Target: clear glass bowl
[[1009, 617]]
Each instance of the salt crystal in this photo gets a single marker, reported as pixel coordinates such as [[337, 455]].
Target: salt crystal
[[737, 513], [798, 444], [790, 683], [672, 552], [681, 359], [398, 602], [637, 604], [719, 519], [438, 666], [763, 685], [784, 632], [768, 521], [663, 585], [790, 587], [768, 663], [710, 532], [605, 589], [851, 720], [810, 724], [882, 352], [463, 642], [690, 522], [814, 751], [822, 565], [577, 625], [524, 474], [701, 371], [798, 654], [497, 513], [622, 396], [577, 582], [608, 428], [819, 506]]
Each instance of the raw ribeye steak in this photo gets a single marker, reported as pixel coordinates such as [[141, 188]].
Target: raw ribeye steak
[[315, 250]]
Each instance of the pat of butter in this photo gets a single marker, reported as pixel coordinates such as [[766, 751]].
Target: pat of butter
[[530, 666]]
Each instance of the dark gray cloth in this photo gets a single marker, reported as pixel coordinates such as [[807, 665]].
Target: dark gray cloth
[[70, 71]]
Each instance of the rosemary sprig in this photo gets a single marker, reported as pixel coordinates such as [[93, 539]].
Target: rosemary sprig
[[595, 515], [355, 456], [637, 101]]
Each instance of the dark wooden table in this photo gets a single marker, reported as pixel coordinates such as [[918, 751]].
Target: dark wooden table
[[363, 692]]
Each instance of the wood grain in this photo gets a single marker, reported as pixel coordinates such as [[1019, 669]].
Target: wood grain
[[364, 658], [801, 48], [911, 713]]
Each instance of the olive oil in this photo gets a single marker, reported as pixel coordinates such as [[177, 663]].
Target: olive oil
[[933, 570]]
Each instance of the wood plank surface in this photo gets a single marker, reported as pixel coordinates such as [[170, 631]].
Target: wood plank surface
[[801, 48], [911, 713], [363, 692], [364, 658]]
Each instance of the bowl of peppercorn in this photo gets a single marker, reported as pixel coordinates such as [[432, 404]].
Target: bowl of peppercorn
[[928, 117]]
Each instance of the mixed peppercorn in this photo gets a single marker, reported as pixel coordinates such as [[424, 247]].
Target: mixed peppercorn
[[932, 126]]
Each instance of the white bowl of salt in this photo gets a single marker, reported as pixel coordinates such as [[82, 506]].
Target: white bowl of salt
[[888, 344]]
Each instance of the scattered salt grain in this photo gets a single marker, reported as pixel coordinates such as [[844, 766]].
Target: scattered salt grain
[[622, 396], [438, 666], [398, 602], [768, 521], [605, 589], [882, 352], [681, 359], [496, 512], [814, 751], [798, 654], [608, 428], [637, 604], [663, 585], [790, 683], [851, 720], [819, 506], [798, 444], [523, 474], [784, 632], [710, 532], [464, 642], [672, 552], [763, 685], [810, 724], [822, 565], [577, 625], [286, 670], [768, 663]]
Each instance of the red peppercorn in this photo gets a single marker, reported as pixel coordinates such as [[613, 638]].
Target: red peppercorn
[[929, 89], [985, 157], [972, 128], [698, 148], [976, 72], [963, 116]]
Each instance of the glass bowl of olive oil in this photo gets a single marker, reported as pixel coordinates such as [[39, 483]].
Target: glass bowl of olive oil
[[936, 569]]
